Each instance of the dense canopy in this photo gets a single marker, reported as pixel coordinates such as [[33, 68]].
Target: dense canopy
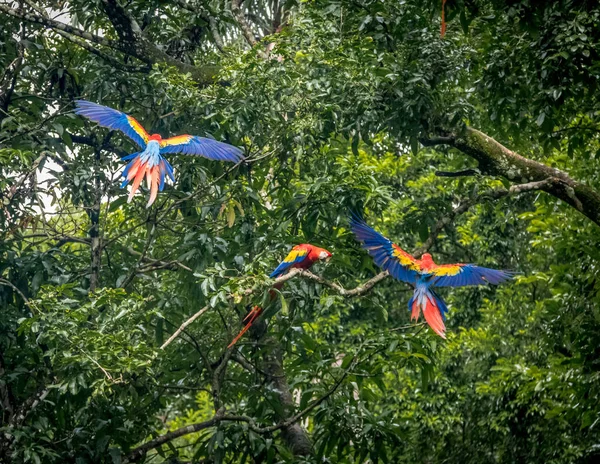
[[482, 146]]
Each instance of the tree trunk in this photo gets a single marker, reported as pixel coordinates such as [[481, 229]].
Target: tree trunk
[[94, 214], [296, 438]]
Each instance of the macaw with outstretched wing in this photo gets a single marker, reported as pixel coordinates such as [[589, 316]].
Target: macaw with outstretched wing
[[301, 257], [423, 274], [150, 162]]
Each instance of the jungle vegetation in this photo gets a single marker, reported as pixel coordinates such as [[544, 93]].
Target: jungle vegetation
[[481, 146]]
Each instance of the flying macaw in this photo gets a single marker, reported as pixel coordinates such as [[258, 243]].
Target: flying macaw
[[301, 256], [423, 274], [150, 162]]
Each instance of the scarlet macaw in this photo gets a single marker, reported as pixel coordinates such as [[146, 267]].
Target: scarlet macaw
[[423, 274], [150, 162], [301, 256]]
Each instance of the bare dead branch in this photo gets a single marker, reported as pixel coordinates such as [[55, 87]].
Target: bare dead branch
[[183, 326]]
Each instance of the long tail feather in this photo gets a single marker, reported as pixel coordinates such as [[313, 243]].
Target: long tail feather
[[443, 29], [139, 176], [250, 318], [154, 181], [153, 169], [433, 316], [433, 308]]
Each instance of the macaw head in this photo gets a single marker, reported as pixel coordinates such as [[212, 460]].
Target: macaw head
[[156, 137], [323, 254]]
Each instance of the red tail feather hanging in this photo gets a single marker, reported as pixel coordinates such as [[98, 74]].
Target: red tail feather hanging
[[443, 31], [250, 317], [433, 316]]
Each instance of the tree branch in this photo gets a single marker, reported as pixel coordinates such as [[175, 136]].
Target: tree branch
[[220, 416], [214, 30], [139, 47], [183, 326], [52, 24], [142, 255], [463, 173], [125, 25], [210, 19], [7, 283], [497, 160], [109, 59], [369, 284], [469, 202], [138, 453], [158, 263], [241, 20]]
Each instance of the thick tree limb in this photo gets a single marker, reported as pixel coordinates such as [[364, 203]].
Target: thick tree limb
[[125, 25], [497, 160], [295, 437], [214, 30], [241, 20]]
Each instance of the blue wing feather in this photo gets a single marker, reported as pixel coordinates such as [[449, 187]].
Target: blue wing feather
[[285, 265], [470, 274], [112, 119], [381, 250], [203, 146]]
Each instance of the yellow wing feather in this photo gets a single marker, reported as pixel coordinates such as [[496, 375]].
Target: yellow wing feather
[[447, 270], [405, 258], [177, 140], [137, 127], [294, 254]]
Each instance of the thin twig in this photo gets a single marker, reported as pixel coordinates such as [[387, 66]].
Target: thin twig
[[7, 283], [183, 326]]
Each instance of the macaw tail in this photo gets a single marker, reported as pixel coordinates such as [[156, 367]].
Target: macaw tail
[[249, 319], [433, 307], [150, 165], [443, 29]]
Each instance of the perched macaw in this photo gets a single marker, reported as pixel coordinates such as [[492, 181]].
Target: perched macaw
[[423, 274], [150, 162], [301, 256]]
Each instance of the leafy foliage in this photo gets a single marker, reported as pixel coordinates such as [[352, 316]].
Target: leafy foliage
[[330, 105]]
